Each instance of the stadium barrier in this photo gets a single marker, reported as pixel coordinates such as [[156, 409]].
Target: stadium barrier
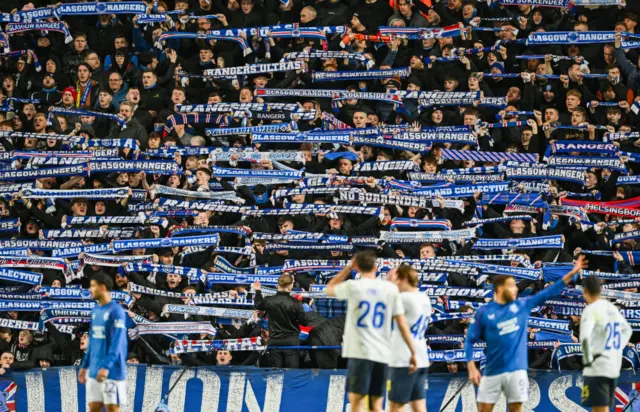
[[240, 389]]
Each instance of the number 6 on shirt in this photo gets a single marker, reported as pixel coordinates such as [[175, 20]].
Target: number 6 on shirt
[[378, 314]]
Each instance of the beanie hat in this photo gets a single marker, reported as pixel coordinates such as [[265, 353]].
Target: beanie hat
[[72, 91]]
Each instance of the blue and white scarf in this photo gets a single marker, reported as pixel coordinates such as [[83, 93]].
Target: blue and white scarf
[[120, 245], [31, 174], [432, 237], [166, 190], [612, 163], [254, 69], [111, 193], [449, 154], [359, 75], [87, 9], [60, 27], [158, 167], [271, 128], [330, 54], [540, 242], [461, 136], [543, 173], [79, 112]]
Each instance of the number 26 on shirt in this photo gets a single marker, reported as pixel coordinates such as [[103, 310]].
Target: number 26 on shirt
[[613, 336], [377, 315]]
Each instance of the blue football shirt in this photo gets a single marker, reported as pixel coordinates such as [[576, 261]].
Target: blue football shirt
[[504, 329]]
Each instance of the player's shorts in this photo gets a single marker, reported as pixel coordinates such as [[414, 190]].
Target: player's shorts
[[405, 387], [109, 392], [366, 377], [598, 391], [515, 386]]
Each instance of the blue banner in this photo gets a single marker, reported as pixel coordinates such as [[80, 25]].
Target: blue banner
[[241, 389]]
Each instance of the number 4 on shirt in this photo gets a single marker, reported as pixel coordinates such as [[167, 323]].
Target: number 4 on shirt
[[419, 328], [377, 316]]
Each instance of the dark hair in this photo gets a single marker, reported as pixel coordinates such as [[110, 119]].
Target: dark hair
[[500, 281], [284, 219], [592, 285], [365, 260], [102, 278]]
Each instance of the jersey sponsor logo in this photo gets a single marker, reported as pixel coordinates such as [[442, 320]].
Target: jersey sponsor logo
[[508, 326], [97, 332]]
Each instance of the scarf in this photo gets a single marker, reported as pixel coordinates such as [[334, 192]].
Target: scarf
[[329, 54], [544, 173], [612, 163], [402, 222], [427, 265], [180, 328], [166, 190], [197, 205], [359, 75], [87, 9], [38, 262], [432, 290], [461, 136], [89, 233], [119, 143], [227, 278], [616, 208], [75, 251], [363, 197], [421, 33], [194, 118], [462, 191], [308, 209], [32, 174], [195, 346], [60, 27], [159, 167], [449, 154], [225, 131], [527, 199], [206, 311], [112, 260], [549, 242], [577, 37], [112, 193], [20, 276], [273, 247], [399, 165], [233, 173], [423, 237], [254, 69], [556, 325], [539, 3], [231, 107], [195, 275], [209, 240], [79, 112]]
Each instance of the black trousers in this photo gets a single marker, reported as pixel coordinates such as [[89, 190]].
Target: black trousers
[[285, 358]]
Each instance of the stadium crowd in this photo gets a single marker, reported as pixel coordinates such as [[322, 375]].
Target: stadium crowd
[[114, 132]]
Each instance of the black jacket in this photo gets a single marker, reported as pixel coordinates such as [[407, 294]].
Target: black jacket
[[285, 314]]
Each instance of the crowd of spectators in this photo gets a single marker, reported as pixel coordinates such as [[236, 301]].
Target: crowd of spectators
[[116, 65]]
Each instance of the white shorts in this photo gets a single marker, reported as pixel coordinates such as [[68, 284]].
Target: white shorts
[[515, 386], [109, 392]]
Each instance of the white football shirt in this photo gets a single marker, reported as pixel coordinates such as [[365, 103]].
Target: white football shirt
[[417, 311], [604, 333], [371, 305]]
